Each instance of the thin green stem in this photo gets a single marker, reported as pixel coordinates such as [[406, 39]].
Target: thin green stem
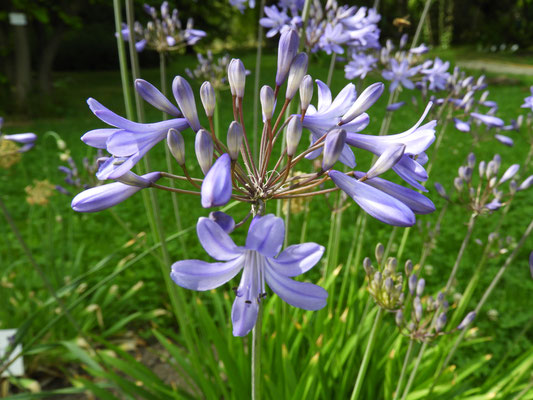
[[257, 78], [406, 361], [466, 239], [256, 355], [366, 357], [168, 157], [331, 68], [122, 60], [421, 23], [414, 371]]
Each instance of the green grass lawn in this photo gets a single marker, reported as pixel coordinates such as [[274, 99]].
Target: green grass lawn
[[67, 244]]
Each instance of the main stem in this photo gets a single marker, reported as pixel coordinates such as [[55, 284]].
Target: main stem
[[404, 369], [366, 357], [471, 223], [256, 355]]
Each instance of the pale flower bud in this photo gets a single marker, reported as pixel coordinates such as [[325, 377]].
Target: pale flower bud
[[207, 95], [203, 146], [176, 145], [293, 135]]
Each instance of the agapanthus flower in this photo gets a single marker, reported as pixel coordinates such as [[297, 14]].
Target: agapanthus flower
[[277, 21], [105, 196], [241, 4], [332, 39], [360, 65], [164, 33], [128, 141], [261, 261], [400, 73], [528, 101], [417, 140], [437, 75]]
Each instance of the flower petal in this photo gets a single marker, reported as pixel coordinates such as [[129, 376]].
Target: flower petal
[[266, 235], [297, 259], [324, 96], [243, 316], [298, 294], [215, 241], [375, 202], [201, 275]]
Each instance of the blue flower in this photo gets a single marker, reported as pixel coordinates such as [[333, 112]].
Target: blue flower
[[360, 65], [528, 101], [437, 75], [105, 196], [278, 21], [417, 140], [260, 262], [333, 38], [329, 114], [216, 187], [400, 73], [128, 141]]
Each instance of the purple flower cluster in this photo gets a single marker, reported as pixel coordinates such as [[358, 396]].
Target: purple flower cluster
[[164, 33], [330, 29]]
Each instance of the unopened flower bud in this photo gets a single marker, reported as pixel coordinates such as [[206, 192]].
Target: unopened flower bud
[[509, 173], [411, 326], [467, 320], [287, 48], [441, 322], [378, 278], [176, 145], [420, 286], [216, 187], [386, 160], [369, 96], [389, 284], [378, 252], [367, 265], [306, 92], [458, 183], [203, 146], [493, 181], [440, 299], [527, 183], [417, 306], [293, 135], [225, 221], [207, 95], [412, 283], [267, 102], [399, 317], [482, 168], [185, 99], [408, 267], [333, 147], [234, 139], [236, 77], [392, 263], [296, 73], [471, 160], [441, 191]]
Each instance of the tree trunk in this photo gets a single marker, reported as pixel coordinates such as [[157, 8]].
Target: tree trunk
[[44, 72], [22, 65]]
